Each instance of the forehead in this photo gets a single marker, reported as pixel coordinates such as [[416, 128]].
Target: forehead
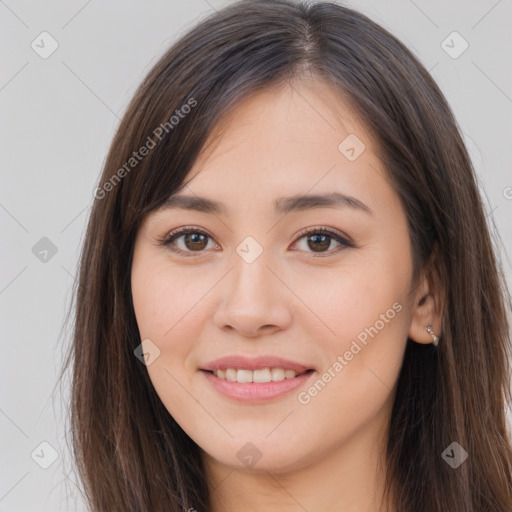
[[288, 140], [307, 111]]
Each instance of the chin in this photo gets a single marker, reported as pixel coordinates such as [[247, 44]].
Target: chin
[[263, 456]]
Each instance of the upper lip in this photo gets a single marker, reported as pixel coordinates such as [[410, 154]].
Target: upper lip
[[254, 363]]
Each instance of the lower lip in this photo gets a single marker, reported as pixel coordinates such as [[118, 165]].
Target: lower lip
[[253, 392]]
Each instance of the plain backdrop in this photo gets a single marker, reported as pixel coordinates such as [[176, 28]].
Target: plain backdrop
[[58, 115]]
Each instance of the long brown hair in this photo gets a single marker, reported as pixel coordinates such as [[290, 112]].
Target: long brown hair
[[131, 454]]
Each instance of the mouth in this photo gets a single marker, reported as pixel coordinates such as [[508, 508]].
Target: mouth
[[255, 380]]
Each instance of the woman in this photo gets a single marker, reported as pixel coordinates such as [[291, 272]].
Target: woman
[[288, 296]]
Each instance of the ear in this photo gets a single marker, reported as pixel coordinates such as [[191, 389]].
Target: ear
[[427, 303]]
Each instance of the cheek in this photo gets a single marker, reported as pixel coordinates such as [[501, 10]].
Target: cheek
[[356, 296], [165, 301], [363, 328], [171, 309], [165, 314]]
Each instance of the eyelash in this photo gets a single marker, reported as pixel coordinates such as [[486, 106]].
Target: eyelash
[[177, 233]]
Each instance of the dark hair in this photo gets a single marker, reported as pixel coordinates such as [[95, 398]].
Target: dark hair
[[131, 454]]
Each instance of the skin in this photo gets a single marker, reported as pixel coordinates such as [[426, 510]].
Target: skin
[[293, 301]]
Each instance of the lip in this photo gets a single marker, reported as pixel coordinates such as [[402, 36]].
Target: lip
[[256, 392], [255, 363]]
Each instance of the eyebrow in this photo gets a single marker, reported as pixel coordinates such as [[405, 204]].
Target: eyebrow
[[282, 205]]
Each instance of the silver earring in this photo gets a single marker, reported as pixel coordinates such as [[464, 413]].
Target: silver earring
[[435, 339]]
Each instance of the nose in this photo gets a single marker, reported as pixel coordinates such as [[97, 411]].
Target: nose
[[255, 300]]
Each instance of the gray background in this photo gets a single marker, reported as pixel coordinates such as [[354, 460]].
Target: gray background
[[58, 116]]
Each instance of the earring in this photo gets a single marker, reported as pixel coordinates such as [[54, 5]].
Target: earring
[[435, 339]]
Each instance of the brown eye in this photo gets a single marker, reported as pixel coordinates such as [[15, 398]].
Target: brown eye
[[194, 241], [319, 240]]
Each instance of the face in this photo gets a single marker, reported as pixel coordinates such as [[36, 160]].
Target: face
[[309, 300]]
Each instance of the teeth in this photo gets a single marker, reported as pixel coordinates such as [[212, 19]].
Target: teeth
[[260, 376]]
